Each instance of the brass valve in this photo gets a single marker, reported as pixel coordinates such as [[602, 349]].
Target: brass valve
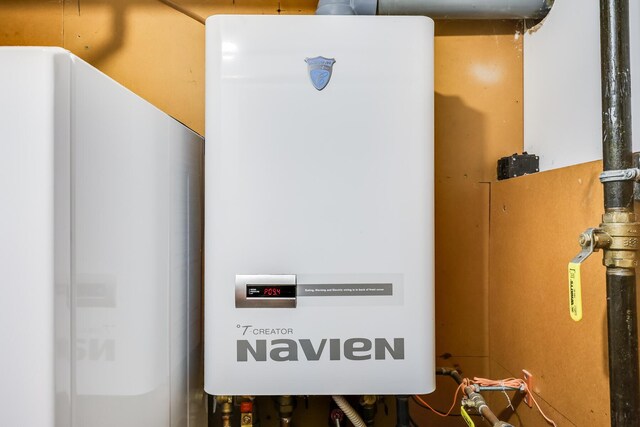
[[619, 238], [623, 232]]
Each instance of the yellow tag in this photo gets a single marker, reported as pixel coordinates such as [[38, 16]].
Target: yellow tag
[[575, 292], [466, 417]]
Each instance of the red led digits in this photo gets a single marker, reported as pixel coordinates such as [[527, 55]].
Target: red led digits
[[272, 292]]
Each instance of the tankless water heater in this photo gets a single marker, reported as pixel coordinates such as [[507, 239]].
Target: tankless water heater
[[319, 205]]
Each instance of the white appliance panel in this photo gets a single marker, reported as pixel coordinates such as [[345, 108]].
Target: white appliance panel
[[103, 193], [34, 237], [334, 186]]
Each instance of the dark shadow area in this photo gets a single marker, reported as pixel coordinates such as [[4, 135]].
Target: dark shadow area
[[509, 414], [460, 207], [459, 138], [469, 27], [96, 55]]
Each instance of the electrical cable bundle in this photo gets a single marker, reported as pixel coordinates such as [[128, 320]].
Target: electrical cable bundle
[[508, 383]]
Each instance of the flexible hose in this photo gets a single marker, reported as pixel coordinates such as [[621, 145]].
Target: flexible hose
[[349, 411]]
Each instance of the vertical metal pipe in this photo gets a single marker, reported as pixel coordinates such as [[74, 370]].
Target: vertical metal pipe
[[624, 382], [623, 348], [616, 99], [402, 411]]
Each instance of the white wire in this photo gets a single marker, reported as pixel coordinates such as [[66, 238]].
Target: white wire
[[349, 411]]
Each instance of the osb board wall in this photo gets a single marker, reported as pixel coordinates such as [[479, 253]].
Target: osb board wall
[[159, 54], [31, 22], [535, 223], [478, 118]]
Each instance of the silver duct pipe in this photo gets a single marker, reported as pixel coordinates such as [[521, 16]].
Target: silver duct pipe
[[443, 9], [467, 9], [347, 7]]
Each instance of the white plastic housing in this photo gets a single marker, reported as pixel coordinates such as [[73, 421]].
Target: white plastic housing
[[334, 186], [100, 208]]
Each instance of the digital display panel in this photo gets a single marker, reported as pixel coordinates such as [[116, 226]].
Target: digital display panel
[[271, 291]]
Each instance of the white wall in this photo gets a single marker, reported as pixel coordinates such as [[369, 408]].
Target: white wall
[[562, 100]]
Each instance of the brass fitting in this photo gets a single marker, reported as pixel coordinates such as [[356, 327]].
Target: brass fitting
[[285, 406], [619, 237], [246, 411], [369, 406], [246, 419], [596, 238], [368, 400], [226, 409], [226, 403]]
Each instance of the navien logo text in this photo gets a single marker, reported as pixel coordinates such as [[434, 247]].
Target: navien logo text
[[286, 350]]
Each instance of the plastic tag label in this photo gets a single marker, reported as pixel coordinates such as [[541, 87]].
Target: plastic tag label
[[466, 417], [575, 292]]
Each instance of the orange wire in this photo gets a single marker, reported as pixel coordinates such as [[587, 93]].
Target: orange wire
[[517, 383], [453, 405], [508, 382]]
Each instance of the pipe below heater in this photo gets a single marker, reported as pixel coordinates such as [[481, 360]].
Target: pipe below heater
[[402, 411]]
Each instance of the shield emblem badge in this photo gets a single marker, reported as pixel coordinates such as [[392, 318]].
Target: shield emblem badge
[[320, 69]]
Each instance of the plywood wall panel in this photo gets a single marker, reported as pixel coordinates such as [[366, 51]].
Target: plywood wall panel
[[535, 222], [517, 412], [298, 6], [462, 234], [479, 63], [31, 23], [478, 118], [207, 8], [231, 7]]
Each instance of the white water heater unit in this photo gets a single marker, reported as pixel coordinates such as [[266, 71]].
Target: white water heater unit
[[319, 205]]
